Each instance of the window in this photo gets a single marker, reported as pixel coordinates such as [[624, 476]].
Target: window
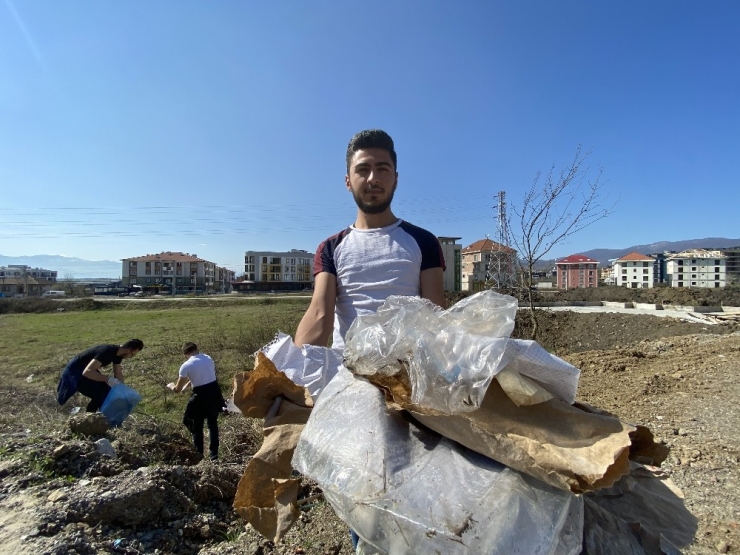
[[717, 262], [693, 283], [148, 268], [716, 268], [716, 284], [644, 271], [264, 260], [680, 283], [133, 282], [624, 272], [644, 278], [716, 276], [645, 264]]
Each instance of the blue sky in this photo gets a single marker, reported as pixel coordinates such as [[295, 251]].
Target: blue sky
[[129, 128]]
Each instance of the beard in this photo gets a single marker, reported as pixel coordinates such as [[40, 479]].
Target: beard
[[374, 207]]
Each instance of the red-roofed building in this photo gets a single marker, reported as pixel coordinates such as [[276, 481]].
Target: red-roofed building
[[476, 259], [175, 273], [577, 270], [634, 270]]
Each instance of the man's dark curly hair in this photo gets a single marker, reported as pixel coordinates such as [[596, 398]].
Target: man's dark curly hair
[[371, 138]]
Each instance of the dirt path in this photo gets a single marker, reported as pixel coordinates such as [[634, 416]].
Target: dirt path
[[18, 524]]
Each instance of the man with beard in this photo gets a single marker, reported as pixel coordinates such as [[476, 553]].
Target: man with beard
[[83, 372], [378, 256]]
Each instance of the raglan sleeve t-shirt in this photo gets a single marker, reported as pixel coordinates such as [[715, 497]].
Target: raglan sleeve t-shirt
[[372, 264]]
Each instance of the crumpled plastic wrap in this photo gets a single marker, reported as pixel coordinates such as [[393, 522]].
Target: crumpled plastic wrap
[[310, 366], [406, 490], [451, 355]]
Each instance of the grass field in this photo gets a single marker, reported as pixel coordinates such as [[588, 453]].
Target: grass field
[[40, 345]]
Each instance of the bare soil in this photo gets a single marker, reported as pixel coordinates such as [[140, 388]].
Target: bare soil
[[677, 378]]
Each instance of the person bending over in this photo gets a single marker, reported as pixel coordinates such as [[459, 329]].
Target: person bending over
[[206, 400], [83, 374]]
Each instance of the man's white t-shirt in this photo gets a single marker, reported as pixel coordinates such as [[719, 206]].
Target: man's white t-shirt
[[372, 264], [199, 369]]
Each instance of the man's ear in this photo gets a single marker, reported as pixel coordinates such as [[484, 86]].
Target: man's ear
[[347, 183]]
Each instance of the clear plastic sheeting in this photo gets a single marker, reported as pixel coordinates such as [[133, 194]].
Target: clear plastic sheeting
[[406, 490], [450, 355], [311, 367]]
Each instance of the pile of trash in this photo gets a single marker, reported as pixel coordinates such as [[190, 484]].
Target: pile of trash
[[435, 432]]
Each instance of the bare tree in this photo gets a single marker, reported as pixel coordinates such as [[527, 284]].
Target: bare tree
[[554, 207], [68, 284]]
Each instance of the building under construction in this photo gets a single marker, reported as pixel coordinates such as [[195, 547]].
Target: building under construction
[[487, 264]]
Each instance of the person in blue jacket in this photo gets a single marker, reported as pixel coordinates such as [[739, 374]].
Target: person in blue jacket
[[83, 374]]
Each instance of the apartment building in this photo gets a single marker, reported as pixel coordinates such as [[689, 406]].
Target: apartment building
[[452, 252], [732, 265], [634, 270], [696, 268], [606, 274], [277, 271], [577, 270], [172, 273], [19, 280], [478, 256]]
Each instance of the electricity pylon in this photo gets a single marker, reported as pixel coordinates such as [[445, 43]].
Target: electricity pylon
[[501, 268]]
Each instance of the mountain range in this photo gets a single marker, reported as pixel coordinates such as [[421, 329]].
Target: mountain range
[[77, 268], [712, 243]]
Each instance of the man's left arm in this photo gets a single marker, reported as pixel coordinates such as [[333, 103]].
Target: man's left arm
[[118, 372], [177, 387], [432, 286]]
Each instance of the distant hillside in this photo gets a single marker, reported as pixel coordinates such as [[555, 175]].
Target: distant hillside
[[604, 255], [66, 266]]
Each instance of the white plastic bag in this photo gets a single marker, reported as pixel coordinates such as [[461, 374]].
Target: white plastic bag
[[406, 490]]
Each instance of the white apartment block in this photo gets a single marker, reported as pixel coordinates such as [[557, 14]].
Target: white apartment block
[[19, 280], [696, 268], [452, 252], [634, 271], [270, 270], [175, 273]]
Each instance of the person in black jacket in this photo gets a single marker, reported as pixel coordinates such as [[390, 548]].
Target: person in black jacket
[[83, 374], [206, 400]]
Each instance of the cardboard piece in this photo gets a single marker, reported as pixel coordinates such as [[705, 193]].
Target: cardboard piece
[[266, 495], [552, 441]]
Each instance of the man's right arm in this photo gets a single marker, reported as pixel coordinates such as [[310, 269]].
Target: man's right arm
[[318, 322], [92, 371]]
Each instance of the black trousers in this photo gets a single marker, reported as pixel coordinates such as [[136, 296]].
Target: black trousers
[[198, 436], [97, 391], [204, 405]]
